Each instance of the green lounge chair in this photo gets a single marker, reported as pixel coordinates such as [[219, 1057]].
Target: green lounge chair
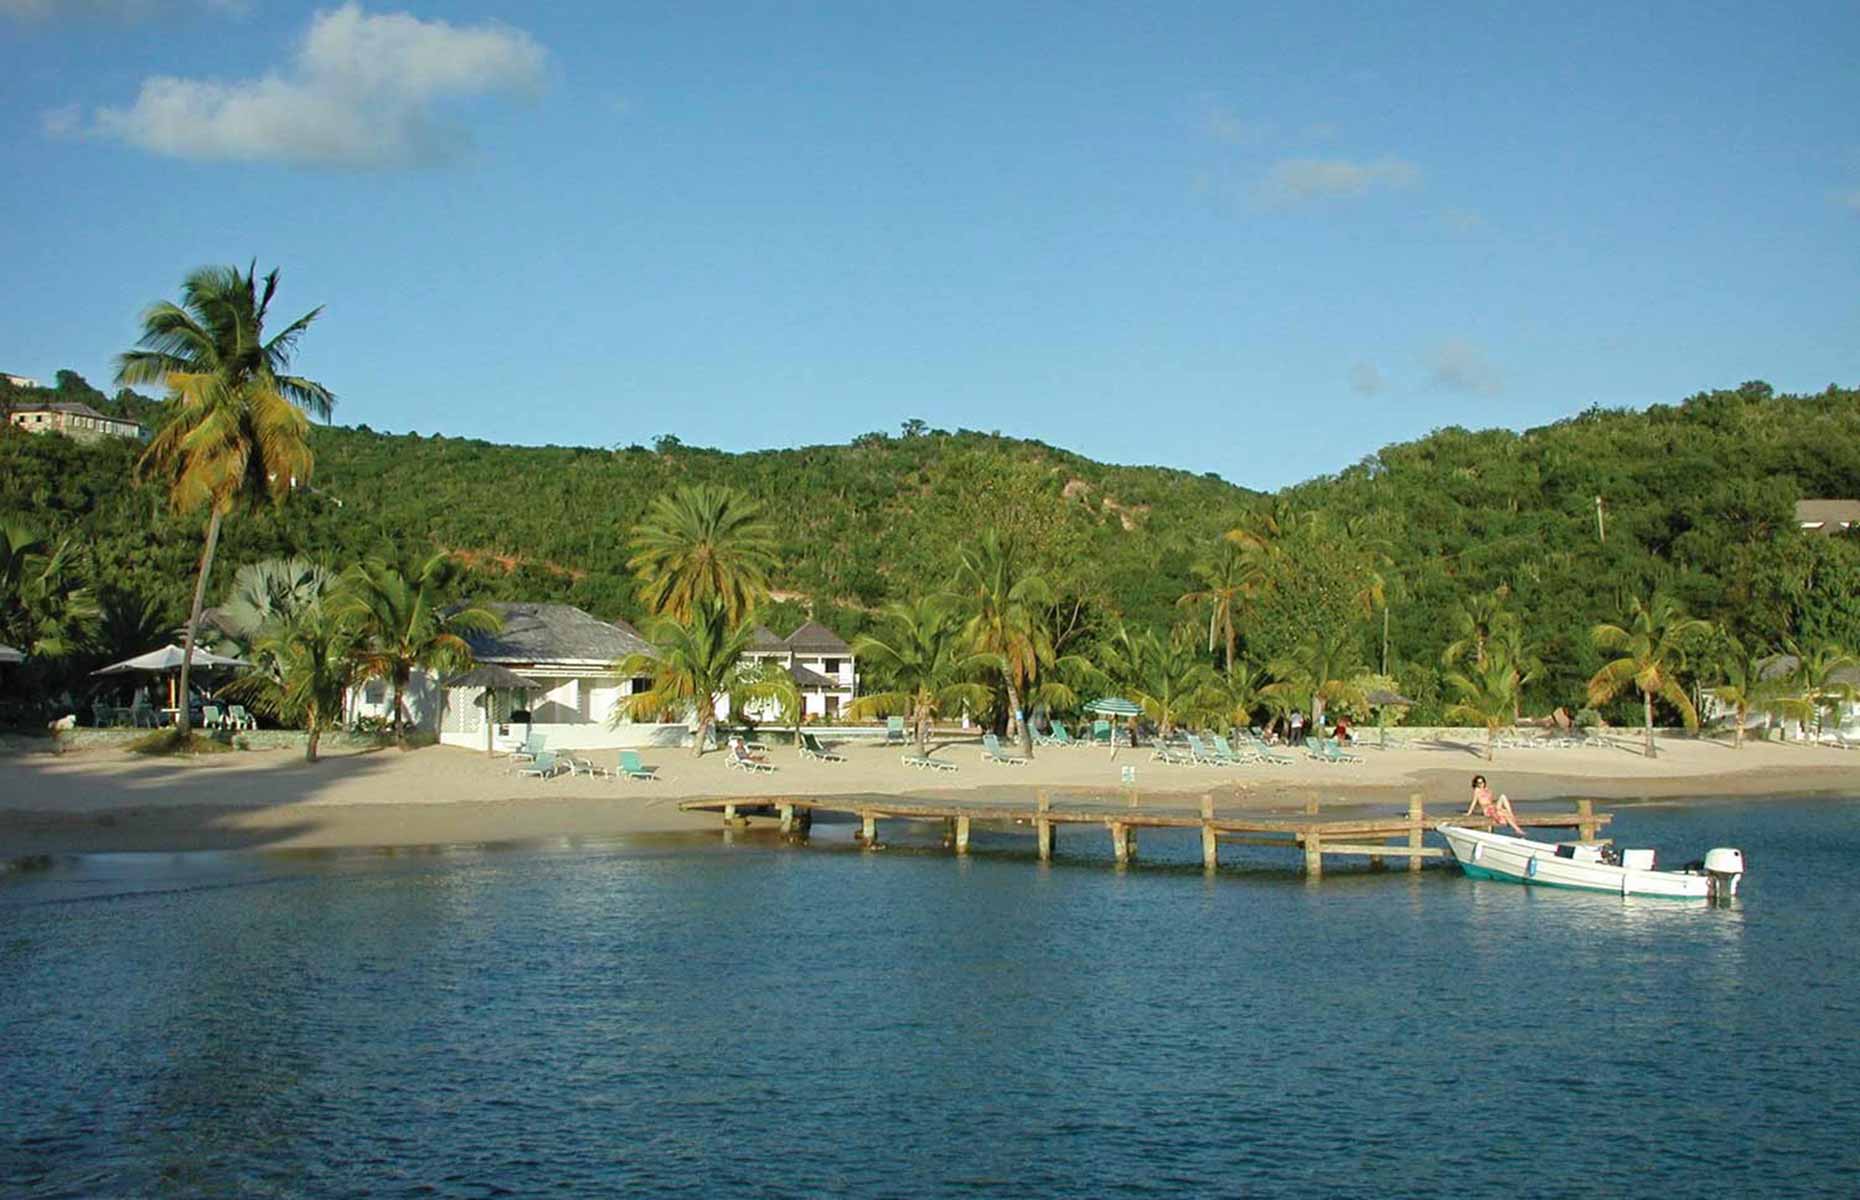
[[632, 768], [924, 762], [1199, 752], [578, 765], [238, 718], [545, 765], [1101, 733], [211, 717], [894, 731], [1054, 736], [1230, 757], [811, 748], [992, 751], [1329, 752], [739, 759], [530, 750], [1257, 746], [1163, 752]]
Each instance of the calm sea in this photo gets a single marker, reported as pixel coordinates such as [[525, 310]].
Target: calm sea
[[693, 1018]]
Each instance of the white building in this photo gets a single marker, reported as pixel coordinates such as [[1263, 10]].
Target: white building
[[818, 659], [74, 419], [566, 653]]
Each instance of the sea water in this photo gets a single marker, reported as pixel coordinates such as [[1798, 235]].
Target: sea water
[[701, 1018]]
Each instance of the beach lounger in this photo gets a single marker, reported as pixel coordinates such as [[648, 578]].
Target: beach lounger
[[1329, 751], [1163, 752], [894, 731], [238, 718], [1198, 752], [582, 766], [1101, 733], [1059, 735], [992, 751], [211, 717], [530, 750], [740, 759], [544, 766], [924, 762], [811, 748], [632, 768], [1229, 757]]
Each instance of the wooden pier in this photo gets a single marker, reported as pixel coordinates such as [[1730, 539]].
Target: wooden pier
[[1377, 837]]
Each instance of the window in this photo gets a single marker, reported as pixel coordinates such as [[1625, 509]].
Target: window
[[374, 692], [639, 684], [830, 666]]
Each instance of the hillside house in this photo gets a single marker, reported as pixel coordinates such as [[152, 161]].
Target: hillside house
[[74, 419], [818, 659], [1827, 517]]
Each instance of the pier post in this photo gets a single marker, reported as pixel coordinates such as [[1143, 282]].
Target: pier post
[[1043, 826], [1311, 804], [1210, 845], [1314, 855], [787, 818], [1416, 816], [1123, 842], [1585, 823], [962, 835], [868, 828]]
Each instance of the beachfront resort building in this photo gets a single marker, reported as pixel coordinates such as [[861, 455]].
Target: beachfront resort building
[[74, 419], [565, 655], [818, 660]]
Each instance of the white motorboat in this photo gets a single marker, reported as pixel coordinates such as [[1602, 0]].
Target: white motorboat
[[1591, 868]]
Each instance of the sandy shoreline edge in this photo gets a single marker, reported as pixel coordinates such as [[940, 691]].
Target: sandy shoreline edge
[[98, 801]]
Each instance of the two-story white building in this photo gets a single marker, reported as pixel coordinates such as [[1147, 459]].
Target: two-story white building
[[818, 659]]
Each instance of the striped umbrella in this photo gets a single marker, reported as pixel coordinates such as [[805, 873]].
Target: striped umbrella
[[1117, 706]]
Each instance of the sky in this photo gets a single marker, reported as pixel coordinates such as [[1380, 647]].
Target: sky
[[1256, 240]]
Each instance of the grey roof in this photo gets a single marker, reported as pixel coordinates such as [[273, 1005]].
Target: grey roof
[[76, 408], [490, 675], [815, 638], [539, 633], [1827, 516], [1782, 666], [812, 680], [761, 639]]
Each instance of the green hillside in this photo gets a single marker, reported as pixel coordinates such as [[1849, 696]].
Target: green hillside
[[1697, 497]]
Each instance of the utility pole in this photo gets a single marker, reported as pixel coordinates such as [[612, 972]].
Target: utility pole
[[1601, 529]]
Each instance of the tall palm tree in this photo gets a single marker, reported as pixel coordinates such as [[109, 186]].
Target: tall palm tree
[[1232, 697], [1488, 694], [1475, 623], [703, 543], [303, 661], [237, 431], [696, 662], [924, 662], [1820, 679], [1005, 618], [401, 624], [1652, 643], [1166, 675], [1224, 580]]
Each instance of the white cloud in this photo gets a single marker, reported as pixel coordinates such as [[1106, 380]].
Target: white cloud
[[1223, 123], [361, 92], [1366, 379], [1294, 181], [62, 122], [1459, 365]]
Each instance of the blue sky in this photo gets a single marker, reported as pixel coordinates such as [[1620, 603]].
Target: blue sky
[[1256, 240]]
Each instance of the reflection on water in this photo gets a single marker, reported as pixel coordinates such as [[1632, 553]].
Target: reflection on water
[[771, 1019]]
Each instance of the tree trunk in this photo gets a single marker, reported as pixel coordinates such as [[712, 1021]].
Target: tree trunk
[[706, 718], [1647, 698], [400, 727], [185, 718], [1491, 742], [1026, 729], [1737, 739], [316, 732], [1230, 644], [923, 731]]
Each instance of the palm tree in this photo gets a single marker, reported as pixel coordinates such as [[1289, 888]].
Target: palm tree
[[1475, 623], [925, 663], [1820, 678], [1488, 694], [703, 543], [1321, 670], [1745, 686], [401, 625], [1230, 576], [695, 662], [267, 590], [1231, 698], [1167, 677], [237, 432], [1652, 644], [303, 662], [43, 609], [1006, 605], [772, 681]]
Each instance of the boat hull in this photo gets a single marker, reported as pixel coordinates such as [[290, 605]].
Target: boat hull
[[1485, 855]]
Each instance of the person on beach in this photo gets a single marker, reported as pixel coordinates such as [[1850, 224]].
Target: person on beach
[[1496, 809], [1298, 729]]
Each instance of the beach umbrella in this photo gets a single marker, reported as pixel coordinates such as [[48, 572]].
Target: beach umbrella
[[167, 660], [1116, 706], [1381, 698], [493, 679]]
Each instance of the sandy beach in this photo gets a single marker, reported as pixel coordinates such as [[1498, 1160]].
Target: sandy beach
[[111, 800]]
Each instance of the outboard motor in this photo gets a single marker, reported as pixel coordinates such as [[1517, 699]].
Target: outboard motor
[[1726, 868]]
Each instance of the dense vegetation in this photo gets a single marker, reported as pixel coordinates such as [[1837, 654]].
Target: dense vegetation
[[1696, 499]]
